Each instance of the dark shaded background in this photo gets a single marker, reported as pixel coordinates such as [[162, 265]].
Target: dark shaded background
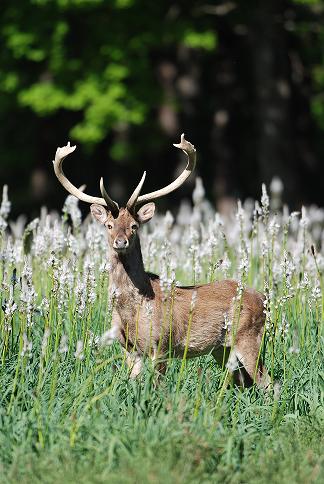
[[122, 79]]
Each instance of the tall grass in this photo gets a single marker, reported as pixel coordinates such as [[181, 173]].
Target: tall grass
[[69, 411]]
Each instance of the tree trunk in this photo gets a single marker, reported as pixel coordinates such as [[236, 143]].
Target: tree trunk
[[274, 149]]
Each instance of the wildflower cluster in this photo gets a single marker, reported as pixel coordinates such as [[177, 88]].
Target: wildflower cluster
[[54, 272]]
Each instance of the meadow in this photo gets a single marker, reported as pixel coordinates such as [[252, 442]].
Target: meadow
[[69, 411]]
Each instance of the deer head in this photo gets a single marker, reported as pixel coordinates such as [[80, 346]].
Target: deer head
[[122, 230], [122, 223]]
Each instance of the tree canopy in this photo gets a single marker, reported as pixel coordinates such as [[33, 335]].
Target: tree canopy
[[123, 79]]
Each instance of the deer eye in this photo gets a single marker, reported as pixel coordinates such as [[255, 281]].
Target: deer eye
[[109, 226], [134, 227]]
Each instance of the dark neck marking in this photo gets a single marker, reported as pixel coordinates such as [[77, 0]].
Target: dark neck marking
[[129, 267]]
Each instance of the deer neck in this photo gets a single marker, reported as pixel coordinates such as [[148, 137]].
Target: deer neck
[[128, 273]]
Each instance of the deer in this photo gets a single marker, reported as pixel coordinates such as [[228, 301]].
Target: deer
[[191, 320]]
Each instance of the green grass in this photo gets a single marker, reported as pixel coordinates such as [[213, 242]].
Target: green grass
[[64, 419], [136, 432]]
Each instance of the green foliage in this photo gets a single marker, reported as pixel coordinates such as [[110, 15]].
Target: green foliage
[[204, 40], [312, 52], [309, 2], [89, 57]]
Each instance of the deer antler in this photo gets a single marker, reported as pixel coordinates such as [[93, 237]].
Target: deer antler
[[133, 199], [106, 201], [190, 151]]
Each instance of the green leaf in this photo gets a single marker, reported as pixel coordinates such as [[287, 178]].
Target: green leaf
[[200, 40]]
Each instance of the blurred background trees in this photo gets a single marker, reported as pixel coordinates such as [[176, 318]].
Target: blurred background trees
[[123, 78]]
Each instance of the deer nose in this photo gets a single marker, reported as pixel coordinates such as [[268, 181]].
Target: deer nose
[[121, 243]]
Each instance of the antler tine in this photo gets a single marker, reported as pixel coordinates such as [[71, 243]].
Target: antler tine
[[62, 153], [190, 151], [134, 197], [111, 204]]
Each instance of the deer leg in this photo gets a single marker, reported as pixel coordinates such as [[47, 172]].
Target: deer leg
[[159, 365], [221, 355], [134, 363], [247, 353], [114, 333], [226, 357], [243, 363]]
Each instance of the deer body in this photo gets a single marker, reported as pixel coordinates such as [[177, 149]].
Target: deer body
[[149, 323], [188, 321]]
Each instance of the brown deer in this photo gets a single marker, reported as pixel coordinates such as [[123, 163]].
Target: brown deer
[[189, 321]]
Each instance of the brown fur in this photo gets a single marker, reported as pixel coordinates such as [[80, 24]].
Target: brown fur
[[150, 322]]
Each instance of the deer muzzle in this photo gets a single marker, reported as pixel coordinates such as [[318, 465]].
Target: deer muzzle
[[120, 243]]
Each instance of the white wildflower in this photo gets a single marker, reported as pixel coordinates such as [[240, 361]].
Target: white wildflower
[[264, 201], [274, 227], [5, 203], [294, 350], [10, 308], [184, 213], [225, 265], [149, 309], [109, 336], [168, 220], [73, 244], [58, 239], [71, 208], [276, 390], [193, 300], [27, 346], [94, 340], [32, 225], [115, 292], [276, 186], [80, 294], [227, 322], [240, 212], [264, 247], [198, 194], [316, 294], [63, 347], [46, 336], [105, 267], [305, 283], [304, 221], [44, 306], [284, 327], [28, 293], [79, 355]]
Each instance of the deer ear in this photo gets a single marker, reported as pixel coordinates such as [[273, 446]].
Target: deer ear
[[146, 212], [100, 213]]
